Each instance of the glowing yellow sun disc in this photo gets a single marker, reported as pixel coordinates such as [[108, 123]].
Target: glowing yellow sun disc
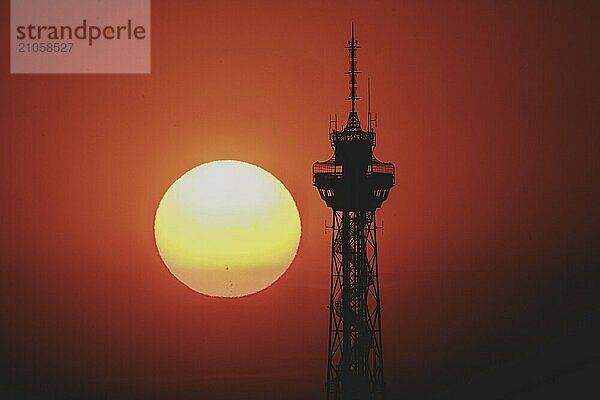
[[227, 228]]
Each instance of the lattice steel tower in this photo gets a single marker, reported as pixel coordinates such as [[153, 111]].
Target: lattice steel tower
[[354, 184]]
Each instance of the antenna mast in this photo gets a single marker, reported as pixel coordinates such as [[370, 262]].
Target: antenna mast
[[369, 103], [352, 49], [372, 121]]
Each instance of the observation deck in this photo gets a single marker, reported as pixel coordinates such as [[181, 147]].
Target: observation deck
[[353, 178]]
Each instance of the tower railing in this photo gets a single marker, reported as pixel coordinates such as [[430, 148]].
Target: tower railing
[[346, 136], [336, 171]]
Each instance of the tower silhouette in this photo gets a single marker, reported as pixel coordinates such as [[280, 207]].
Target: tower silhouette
[[353, 183]]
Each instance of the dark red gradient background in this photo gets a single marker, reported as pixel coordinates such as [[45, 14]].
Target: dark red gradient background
[[489, 109]]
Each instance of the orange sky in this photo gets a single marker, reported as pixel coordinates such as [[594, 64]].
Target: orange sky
[[487, 109]]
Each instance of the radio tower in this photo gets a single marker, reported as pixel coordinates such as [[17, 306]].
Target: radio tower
[[353, 183]]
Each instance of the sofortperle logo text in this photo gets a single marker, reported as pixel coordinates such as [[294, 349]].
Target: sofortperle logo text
[[80, 36]]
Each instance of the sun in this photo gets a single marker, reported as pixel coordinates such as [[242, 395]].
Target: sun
[[227, 228]]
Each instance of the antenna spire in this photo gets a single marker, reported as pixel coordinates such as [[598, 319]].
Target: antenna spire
[[353, 121], [352, 50]]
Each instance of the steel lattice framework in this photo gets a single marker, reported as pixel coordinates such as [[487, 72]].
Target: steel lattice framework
[[355, 360], [353, 183]]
